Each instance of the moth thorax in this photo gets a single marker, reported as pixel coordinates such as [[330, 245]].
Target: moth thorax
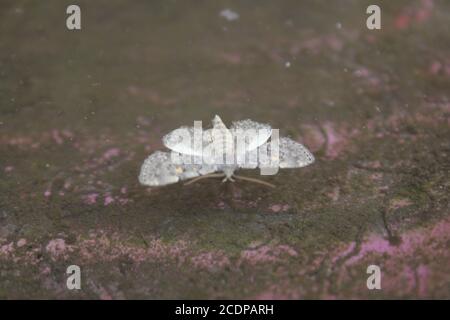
[[228, 170], [223, 141]]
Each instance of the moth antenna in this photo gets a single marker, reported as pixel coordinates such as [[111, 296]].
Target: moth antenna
[[255, 180], [206, 176]]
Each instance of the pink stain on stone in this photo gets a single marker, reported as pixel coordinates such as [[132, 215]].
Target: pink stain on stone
[[46, 270], [111, 153], [275, 292], [369, 76], [232, 57], [399, 203], [413, 267], [221, 205], [334, 194], [375, 244], [402, 21], [423, 273], [312, 137], [21, 243], [438, 68], [435, 67], [279, 208], [410, 243], [210, 260], [98, 247], [316, 44], [91, 198], [334, 43], [266, 253], [344, 253], [425, 11], [412, 15], [57, 137], [362, 72], [56, 247], [108, 200], [47, 193], [104, 295], [7, 248], [336, 141], [9, 168]]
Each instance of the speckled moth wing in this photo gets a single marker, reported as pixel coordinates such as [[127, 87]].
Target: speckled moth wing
[[292, 154], [182, 140], [158, 170], [264, 131]]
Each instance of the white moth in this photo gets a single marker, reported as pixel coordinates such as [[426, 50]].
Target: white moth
[[160, 169]]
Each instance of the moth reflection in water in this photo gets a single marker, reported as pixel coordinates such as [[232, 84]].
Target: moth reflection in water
[[220, 151]]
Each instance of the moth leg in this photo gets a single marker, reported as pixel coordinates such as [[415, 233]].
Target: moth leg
[[228, 178], [210, 175], [255, 180]]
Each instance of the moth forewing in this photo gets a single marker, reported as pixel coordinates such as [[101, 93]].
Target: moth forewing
[[246, 156], [198, 140], [181, 140], [264, 132], [178, 158], [268, 155]]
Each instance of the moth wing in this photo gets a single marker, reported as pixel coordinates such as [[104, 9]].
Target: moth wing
[[293, 154], [159, 170], [263, 132], [181, 140], [195, 170], [248, 160]]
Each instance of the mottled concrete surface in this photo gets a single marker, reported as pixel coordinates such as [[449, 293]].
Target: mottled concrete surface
[[80, 111]]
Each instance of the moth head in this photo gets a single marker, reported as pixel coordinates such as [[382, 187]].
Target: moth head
[[217, 122]]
